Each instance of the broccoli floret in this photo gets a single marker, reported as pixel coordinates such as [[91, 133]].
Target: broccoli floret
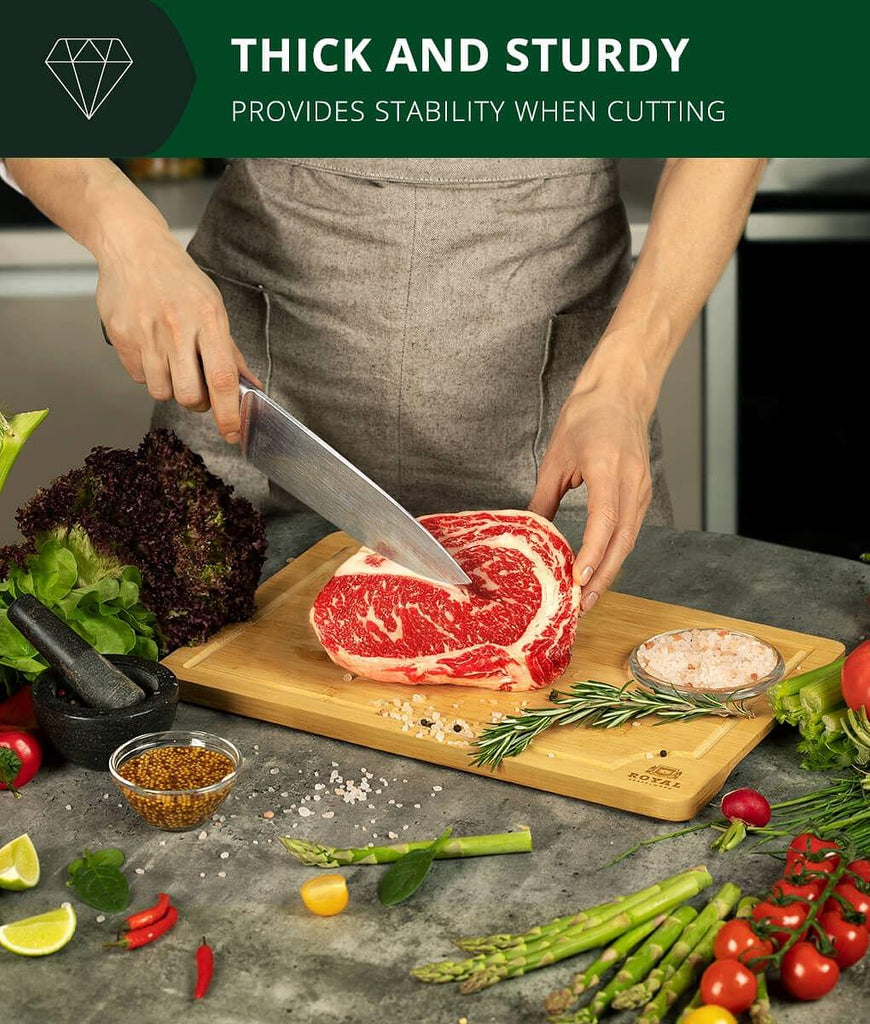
[[199, 547]]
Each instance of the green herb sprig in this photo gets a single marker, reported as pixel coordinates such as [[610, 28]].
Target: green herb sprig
[[599, 706], [98, 880]]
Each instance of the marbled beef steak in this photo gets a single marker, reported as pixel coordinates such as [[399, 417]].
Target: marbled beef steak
[[511, 629]]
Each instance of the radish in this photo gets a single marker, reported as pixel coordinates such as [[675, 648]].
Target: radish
[[743, 808]]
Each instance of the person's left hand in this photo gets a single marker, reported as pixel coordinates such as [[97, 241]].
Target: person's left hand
[[601, 440]]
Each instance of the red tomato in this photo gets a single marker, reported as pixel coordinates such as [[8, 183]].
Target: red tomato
[[806, 974], [855, 678], [737, 941], [775, 916], [857, 900], [727, 983], [861, 868], [788, 889], [807, 852], [850, 940], [20, 758]]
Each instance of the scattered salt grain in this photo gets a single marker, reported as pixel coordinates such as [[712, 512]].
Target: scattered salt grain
[[404, 828], [328, 814], [140, 871], [202, 835], [69, 806], [437, 789], [222, 874], [305, 811], [224, 854], [393, 835], [274, 771], [101, 918], [416, 807], [202, 874]]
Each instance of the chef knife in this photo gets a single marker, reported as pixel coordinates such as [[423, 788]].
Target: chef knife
[[286, 451]]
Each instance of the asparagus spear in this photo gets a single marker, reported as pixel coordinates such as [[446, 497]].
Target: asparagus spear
[[481, 972], [686, 975], [592, 916], [319, 856], [636, 967], [559, 1001], [716, 910], [690, 1007], [759, 1012]]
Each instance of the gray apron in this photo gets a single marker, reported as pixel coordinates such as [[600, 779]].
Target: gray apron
[[428, 318]]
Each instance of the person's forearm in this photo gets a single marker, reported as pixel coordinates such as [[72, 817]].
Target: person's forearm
[[700, 210], [91, 199]]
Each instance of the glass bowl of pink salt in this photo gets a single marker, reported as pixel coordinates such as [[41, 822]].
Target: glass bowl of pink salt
[[726, 663]]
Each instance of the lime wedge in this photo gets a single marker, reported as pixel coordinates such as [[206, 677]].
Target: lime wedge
[[19, 864], [39, 936]]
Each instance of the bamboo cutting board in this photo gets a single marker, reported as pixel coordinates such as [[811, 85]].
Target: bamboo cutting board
[[272, 668]]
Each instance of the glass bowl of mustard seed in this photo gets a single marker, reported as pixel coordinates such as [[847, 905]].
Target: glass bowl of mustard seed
[[175, 780]]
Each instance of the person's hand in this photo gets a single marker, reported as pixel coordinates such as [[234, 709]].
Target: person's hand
[[166, 320], [601, 440]]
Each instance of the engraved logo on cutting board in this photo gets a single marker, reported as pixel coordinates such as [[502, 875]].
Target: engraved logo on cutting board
[[663, 776]]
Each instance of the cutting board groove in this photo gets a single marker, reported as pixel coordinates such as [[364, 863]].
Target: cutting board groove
[[272, 668]]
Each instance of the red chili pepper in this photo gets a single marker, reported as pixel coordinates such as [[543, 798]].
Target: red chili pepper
[[149, 916], [204, 968], [142, 936]]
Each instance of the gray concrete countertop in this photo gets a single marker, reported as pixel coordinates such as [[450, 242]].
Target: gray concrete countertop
[[275, 962]]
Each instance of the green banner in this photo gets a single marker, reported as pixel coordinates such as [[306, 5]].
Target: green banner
[[263, 78]]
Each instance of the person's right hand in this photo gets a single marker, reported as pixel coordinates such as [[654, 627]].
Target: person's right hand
[[166, 320]]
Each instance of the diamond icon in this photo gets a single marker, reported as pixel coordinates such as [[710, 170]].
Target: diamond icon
[[89, 69]]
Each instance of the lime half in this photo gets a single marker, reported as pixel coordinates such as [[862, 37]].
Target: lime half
[[19, 864], [39, 936]]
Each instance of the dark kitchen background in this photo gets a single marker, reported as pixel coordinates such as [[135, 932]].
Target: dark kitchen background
[[760, 411]]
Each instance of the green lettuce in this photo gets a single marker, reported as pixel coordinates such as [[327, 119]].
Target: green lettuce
[[94, 595]]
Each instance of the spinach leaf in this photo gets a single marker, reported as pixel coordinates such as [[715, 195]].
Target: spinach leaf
[[99, 881], [403, 878]]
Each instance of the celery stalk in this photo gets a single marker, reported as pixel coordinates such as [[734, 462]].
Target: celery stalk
[[823, 695], [14, 433], [782, 696]]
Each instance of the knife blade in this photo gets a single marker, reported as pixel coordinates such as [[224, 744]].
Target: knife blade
[[286, 451]]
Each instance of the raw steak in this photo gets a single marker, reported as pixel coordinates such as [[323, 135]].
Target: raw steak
[[511, 629]]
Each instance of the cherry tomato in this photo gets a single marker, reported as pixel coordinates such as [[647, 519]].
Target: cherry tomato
[[850, 940], [710, 1015], [325, 895], [20, 758], [855, 678], [775, 916], [727, 983], [806, 974], [861, 869], [807, 852], [857, 900], [788, 889], [737, 941]]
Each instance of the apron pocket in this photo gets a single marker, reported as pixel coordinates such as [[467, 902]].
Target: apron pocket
[[570, 340]]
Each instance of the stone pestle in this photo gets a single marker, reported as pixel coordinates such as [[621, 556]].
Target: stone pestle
[[94, 679]]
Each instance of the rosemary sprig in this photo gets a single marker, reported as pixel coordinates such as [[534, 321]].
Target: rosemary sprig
[[598, 705]]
